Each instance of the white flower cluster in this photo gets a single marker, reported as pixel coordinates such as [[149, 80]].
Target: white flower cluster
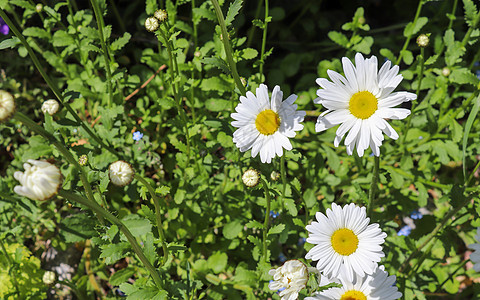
[[40, 181]]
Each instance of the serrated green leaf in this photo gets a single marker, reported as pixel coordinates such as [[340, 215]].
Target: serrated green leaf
[[279, 228], [248, 53], [470, 11], [120, 42], [217, 62], [121, 276], [9, 43], [463, 76], [289, 204], [137, 225], [338, 38], [113, 252], [36, 32], [217, 262], [233, 11]]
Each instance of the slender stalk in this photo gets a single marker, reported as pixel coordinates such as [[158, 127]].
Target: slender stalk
[[407, 41], [373, 186], [195, 33], [175, 89], [283, 174], [473, 173], [228, 47], [60, 147], [117, 16], [114, 220], [52, 85], [267, 219], [100, 25], [405, 265], [264, 41], [419, 78], [158, 216]]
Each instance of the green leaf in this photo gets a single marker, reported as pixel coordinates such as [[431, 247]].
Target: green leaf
[[290, 206], [365, 45], [388, 54], [214, 104], [248, 53], [338, 38], [61, 39], [217, 262], [151, 293], [233, 11], [468, 127], [36, 32], [309, 198], [120, 42], [407, 57], [121, 276], [232, 230], [464, 76], [217, 62], [279, 228], [78, 227], [137, 225], [113, 252], [470, 12], [205, 13], [414, 28], [150, 6], [9, 43], [163, 190]]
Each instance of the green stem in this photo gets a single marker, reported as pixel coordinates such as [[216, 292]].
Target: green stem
[[174, 88], [267, 219], [473, 173], [10, 266], [114, 220], [60, 147], [373, 186], [195, 33], [228, 47], [100, 25], [405, 265], [158, 216], [407, 41], [283, 174], [264, 41], [419, 78], [117, 16], [52, 85]]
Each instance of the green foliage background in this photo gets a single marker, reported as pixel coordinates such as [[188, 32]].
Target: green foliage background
[[213, 224]]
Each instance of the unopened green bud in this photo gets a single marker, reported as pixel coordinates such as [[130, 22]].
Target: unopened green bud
[[39, 7], [82, 160], [251, 177], [445, 71]]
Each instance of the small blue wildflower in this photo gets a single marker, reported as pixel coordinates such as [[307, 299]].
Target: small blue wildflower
[[274, 214], [416, 215], [301, 241], [405, 230], [137, 135], [281, 289], [281, 257], [120, 293], [4, 29]]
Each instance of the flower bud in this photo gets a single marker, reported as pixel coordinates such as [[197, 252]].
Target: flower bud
[[445, 71], [151, 24], [39, 7], [50, 106], [423, 40], [251, 177], [274, 175], [161, 15], [49, 277], [120, 173], [7, 105], [40, 181], [82, 160]]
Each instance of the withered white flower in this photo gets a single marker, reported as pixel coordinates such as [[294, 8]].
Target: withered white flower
[[7, 105], [40, 181], [50, 106], [290, 278], [121, 173]]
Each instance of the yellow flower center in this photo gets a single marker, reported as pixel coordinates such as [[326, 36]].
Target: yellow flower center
[[353, 295], [344, 242], [363, 104], [267, 122]]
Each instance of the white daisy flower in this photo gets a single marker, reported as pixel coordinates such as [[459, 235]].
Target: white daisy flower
[[40, 181], [50, 107], [265, 126], [344, 240], [121, 173], [360, 102], [475, 256], [378, 286], [290, 278], [7, 105]]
